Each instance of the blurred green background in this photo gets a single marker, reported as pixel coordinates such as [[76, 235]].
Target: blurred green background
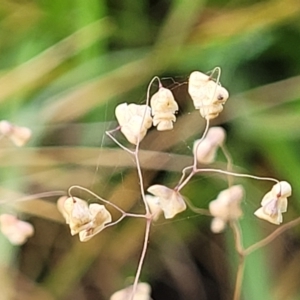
[[64, 65]]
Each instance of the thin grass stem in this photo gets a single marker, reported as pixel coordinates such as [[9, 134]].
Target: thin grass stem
[[142, 258]]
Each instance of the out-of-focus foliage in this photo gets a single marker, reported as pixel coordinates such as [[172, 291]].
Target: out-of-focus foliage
[[65, 65]]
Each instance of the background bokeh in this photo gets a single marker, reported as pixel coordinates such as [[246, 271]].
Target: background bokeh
[[64, 65]]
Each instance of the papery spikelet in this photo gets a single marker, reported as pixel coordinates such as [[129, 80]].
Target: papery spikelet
[[207, 148], [207, 95], [163, 106], [226, 207], [274, 203], [134, 120], [15, 230], [99, 216], [170, 201], [18, 135]]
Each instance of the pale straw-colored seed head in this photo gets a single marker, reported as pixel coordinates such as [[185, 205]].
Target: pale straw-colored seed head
[[17, 231], [274, 203], [163, 107], [207, 95], [154, 206], [170, 201], [79, 217], [134, 120], [207, 148], [227, 206], [99, 217], [217, 225], [87, 220], [18, 135]]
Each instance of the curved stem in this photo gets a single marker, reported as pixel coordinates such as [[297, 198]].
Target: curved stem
[[201, 211], [183, 175], [179, 187], [96, 196], [183, 182], [115, 222], [109, 133], [220, 171], [136, 152], [272, 236], [145, 111], [216, 69], [124, 216], [237, 237]]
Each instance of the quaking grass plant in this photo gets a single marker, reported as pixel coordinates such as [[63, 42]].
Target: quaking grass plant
[[88, 219]]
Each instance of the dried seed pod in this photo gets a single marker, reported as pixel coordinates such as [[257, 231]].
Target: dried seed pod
[[18, 135], [154, 205], [170, 201], [77, 214], [274, 203], [207, 95], [15, 230], [87, 220], [226, 207], [207, 148], [163, 106], [99, 216], [134, 120]]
